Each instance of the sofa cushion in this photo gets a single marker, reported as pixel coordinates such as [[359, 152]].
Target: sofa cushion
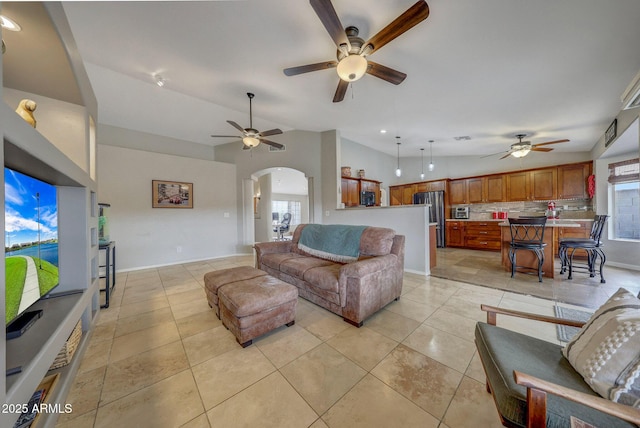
[[273, 260], [605, 350], [297, 266], [324, 277], [376, 241]]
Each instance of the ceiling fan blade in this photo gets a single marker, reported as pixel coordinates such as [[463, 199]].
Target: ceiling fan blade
[[245, 147], [506, 156], [227, 136], [411, 17], [493, 154], [329, 18], [340, 91], [540, 149], [385, 73], [293, 71], [274, 131], [271, 143], [235, 125], [551, 142]]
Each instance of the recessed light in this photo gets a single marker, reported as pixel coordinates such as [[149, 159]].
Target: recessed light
[[383, 131], [160, 81], [9, 24]]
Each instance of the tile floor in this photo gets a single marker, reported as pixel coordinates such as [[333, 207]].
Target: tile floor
[[159, 357]]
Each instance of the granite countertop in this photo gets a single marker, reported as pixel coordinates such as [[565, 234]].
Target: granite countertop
[[502, 220], [552, 223]]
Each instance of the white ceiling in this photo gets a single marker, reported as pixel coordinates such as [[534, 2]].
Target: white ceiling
[[486, 69]]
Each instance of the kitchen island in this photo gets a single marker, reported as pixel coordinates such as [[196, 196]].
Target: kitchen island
[[528, 258]]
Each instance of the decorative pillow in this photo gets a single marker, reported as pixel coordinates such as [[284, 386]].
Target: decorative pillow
[[606, 351]]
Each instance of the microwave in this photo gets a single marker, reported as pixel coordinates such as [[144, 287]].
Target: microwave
[[461, 212], [368, 199]]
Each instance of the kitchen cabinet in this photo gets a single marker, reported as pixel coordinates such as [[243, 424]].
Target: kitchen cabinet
[[584, 231], [482, 235], [458, 192], [490, 188], [403, 194], [350, 192], [352, 187], [572, 181], [407, 194], [455, 233], [535, 185], [395, 195]]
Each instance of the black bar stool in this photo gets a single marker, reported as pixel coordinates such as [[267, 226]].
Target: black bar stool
[[591, 245], [527, 233]]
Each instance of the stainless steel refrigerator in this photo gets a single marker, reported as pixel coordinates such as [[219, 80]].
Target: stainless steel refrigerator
[[436, 211]]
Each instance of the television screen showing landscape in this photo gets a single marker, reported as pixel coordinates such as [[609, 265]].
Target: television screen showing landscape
[[31, 241]]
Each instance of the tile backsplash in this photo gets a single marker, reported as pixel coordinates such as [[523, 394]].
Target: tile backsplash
[[573, 209]]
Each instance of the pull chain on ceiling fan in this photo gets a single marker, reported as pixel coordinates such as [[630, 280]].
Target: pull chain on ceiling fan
[[252, 137]]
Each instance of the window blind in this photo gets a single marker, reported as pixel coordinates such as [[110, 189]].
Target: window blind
[[624, 171]]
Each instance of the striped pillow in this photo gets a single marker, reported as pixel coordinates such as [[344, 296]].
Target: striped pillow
[[606, 351]]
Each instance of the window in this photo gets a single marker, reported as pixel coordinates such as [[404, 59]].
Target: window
[[624, 183], [281, 207]]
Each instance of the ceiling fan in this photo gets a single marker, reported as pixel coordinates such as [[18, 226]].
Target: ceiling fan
[[352, 54], [252, 137], [522, 148]]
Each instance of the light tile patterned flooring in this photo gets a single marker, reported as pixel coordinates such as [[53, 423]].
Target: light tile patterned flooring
[[159, 357]]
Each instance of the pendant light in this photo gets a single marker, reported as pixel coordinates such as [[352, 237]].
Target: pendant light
[[398, 170], [422, 161], [431, 165]]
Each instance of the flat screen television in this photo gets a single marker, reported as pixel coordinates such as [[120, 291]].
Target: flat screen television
[[31, 247]]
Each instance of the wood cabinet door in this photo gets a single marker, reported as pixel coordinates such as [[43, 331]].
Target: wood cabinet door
[[495, 188], [350, 192], [422, 187], [517, 186], [458, 192], [544, 184], [455, 234], [395, 195], [407, 194], [475, 190], [572, 181], [434, 186]]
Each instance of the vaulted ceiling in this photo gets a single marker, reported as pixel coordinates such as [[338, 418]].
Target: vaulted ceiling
[[484, 69]]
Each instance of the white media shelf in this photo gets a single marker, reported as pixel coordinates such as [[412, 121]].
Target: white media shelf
[[63, 154]]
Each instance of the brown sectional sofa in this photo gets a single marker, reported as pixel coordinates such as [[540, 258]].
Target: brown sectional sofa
[[353, 290]]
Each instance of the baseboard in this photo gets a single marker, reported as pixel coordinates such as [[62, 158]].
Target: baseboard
[[417, 272], [181, 262], [623, 265]]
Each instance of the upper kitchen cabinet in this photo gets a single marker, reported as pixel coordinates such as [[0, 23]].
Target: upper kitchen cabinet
[[458, 192], [535, 185], [486, 189], [572, 180]]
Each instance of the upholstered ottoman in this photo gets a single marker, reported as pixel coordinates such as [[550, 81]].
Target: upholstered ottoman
[[216, 279], [256, 306]]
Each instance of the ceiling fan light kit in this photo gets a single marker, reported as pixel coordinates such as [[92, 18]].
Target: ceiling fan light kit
[[352, 68]]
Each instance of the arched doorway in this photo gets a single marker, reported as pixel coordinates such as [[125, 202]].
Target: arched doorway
[[277, 191]]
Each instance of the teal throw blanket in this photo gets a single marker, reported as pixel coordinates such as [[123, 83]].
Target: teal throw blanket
[[336, 242]]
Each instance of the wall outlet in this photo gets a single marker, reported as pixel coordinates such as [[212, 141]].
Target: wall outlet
[[178, 249]]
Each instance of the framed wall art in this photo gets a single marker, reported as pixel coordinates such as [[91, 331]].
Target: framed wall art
[[172, 194]]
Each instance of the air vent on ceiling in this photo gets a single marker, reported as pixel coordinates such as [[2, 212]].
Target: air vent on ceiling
[[274, 149], [631, 96]]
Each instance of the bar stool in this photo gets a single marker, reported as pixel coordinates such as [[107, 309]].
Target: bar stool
[[591, 245], [527, 233]]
